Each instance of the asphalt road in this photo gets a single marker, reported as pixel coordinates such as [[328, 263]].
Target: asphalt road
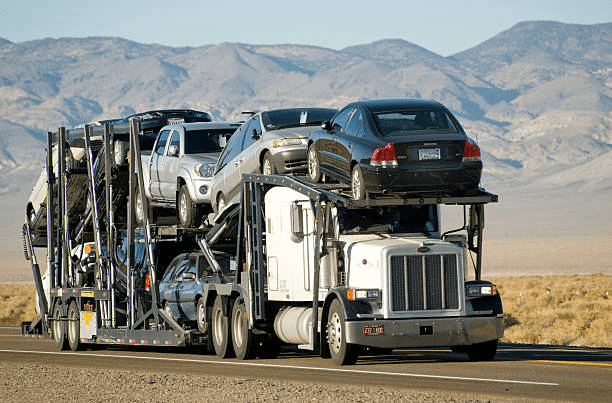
[[518, 372]]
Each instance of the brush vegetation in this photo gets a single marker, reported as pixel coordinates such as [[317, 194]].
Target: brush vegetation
[[568, 310]]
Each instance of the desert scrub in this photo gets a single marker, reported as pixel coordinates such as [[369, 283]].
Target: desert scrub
[[569, 310], [17, 303]]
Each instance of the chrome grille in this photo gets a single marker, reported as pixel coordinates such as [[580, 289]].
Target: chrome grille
[[424, 282]]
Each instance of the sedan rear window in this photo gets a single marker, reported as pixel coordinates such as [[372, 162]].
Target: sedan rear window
[[396, 123]]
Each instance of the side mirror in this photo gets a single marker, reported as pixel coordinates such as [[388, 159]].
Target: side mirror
[[188, 276], [297, 223], [255, 135], [326, 125], [173, 150]]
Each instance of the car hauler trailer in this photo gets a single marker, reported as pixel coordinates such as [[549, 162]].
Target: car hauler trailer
[[309, 267]]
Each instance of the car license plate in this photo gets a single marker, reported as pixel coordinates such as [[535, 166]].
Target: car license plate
[[373, 330], [429, 154]]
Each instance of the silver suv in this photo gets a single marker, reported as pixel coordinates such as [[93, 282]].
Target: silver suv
[[270, 142]]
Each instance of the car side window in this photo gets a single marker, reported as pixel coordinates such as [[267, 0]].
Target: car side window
[[204, 268], [339, 123], [252, 128], [175, 140], [232, 148], [183, 264], [160, 147], [355, 125], [191, 267]]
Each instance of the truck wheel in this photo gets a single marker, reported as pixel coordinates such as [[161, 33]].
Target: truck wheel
[[314, 168], [187, 211], [357, 183], [267, 166], [242, 337], [483, 351], [58, 328], [341, 351], [221, 330], [74, 326]]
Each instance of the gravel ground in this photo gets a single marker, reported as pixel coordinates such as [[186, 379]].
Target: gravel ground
[[21, 382]]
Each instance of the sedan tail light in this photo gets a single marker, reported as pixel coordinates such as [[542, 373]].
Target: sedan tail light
[[384, 157], [471, 152], [147, 282]]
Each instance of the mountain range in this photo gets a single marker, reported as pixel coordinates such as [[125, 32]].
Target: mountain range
[[537, 97]]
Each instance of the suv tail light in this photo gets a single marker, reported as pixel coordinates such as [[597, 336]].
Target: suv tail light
[[471, 152], [384, 157], [147, 282]]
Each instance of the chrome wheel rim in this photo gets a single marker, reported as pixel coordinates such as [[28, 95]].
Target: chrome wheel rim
[[201, 316], [356, 184], [334, 334], [218, 327], [312, 163], [267, 167], [183, 207]]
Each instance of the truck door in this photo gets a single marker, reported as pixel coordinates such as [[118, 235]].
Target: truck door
[[158, 150], [168, 167]]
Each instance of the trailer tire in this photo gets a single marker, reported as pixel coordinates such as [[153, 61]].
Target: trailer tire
[[342, 352], [73, 325], [58, 328], [221, 330], [482, 351], [242, 336]]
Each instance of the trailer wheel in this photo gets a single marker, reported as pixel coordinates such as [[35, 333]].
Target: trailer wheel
[[341, 351], [58, 328], [74, 326], [221, 328], [242, 337], [482, 351]]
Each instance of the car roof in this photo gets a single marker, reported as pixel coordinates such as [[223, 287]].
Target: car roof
[[379, 105], [203, 125]]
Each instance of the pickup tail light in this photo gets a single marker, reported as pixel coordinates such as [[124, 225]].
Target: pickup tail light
[[384, 157], [471, 152]]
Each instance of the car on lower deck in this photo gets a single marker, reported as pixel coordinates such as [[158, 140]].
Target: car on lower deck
[[269, 142], [397, 146]]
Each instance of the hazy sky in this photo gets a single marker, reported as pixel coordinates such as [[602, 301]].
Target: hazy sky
[[442, 26]]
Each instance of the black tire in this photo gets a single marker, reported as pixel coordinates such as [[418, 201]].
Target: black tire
[[267, 165], [242, 337], [483, 351], [314, 167], [73, 325], [268, 346], [186, 209], [58, 328], [357, 183], [341, 352], [221, 331]]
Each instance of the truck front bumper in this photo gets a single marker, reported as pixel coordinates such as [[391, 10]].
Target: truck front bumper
[[434, 332]]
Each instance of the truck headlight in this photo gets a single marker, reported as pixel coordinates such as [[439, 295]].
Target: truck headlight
[[286, 142], [355, 294], [480, 289], [204, 170]]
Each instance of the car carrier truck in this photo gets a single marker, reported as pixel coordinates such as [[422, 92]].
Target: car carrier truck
[[308, 266]]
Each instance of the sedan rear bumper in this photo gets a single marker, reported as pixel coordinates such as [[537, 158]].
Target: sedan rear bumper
[[463, 177]]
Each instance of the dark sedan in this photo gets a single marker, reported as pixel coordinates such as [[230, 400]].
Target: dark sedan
[[405, 146], [182, 286]]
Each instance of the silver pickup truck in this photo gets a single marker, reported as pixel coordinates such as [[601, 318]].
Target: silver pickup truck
[[178, 172]]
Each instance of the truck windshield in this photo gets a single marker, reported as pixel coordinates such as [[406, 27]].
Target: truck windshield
[[205, 141], [389, 219]]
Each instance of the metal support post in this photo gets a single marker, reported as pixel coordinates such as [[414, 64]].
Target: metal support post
[[110, 224], [51, 263]]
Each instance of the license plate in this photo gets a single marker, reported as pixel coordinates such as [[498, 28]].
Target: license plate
[[373, 330], [429, 154]]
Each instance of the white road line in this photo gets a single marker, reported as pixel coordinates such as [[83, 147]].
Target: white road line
[[255, 364]]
